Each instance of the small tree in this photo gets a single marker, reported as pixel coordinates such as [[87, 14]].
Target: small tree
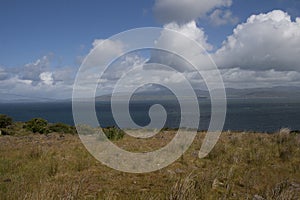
[[62, 128], [113, 133], [37, 125], [5, 121]]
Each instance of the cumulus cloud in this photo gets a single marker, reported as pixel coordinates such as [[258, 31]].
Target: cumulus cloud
[[221, 17], [36, 80], [192, 31], [46, 78], [188, 42], [262, 52], [185, 11], [15, 88], [103, 50], [263, 42], [32, 71]]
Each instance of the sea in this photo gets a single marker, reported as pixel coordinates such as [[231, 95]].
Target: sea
[[257, 115]]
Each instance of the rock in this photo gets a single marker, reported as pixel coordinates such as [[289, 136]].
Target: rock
[[258, 197]]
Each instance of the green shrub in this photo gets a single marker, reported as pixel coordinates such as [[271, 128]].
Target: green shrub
[[5, 121], [4, 132], [113, 133], [37, 125], [61, 128]]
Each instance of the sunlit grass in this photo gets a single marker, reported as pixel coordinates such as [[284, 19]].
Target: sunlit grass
[[241, 166]]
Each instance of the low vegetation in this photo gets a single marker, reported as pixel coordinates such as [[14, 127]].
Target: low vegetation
[[5, 121], [113, 133], [35, 125], [57, 166], [61, 128]]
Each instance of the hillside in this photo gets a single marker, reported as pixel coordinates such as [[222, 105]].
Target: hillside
[[241, 166]]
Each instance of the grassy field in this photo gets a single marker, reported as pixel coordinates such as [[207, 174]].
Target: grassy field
[[241, 166]]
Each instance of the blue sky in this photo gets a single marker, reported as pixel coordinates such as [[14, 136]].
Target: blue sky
[[31, 29], [50, 38]]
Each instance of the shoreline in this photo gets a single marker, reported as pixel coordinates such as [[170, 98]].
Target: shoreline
[[16, 126]]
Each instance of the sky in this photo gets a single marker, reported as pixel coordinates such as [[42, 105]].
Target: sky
[[43, 43]]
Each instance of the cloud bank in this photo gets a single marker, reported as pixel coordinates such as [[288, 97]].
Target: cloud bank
[[37, 80], [262, 52], [263, 42]]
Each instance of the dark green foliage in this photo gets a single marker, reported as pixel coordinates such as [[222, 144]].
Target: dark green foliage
[[62, 128], [5, 121], [37, 125], [4, 132], [113, 133]]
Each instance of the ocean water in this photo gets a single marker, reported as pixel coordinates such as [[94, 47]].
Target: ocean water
[[261, 115]]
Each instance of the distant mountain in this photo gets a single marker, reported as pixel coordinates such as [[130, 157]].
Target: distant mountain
[[15, 98], [274, 92], [163, 94]]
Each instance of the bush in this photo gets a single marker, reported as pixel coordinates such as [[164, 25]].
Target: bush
[[37, 125], [5, 121], [113, 133], [4, 132], [61, 128]]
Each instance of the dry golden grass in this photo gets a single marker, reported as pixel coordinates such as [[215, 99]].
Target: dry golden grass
[[241, 166]]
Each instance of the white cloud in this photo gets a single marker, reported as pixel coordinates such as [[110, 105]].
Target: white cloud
[[46, 78], [190, 44], [37, 80], [222, 17], [184, 11], [14, 88], [103, 50], [238, 78], [192, 31], [32, 71], [262, 52], [264, 42]]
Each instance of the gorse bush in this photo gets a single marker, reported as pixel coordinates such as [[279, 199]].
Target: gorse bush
[[62, 128], [113, 133], [37, 125], [5, 121]]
